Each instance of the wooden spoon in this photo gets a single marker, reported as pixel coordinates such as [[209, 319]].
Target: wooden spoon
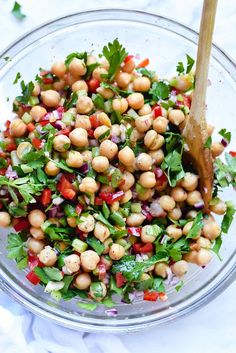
[[195, 130]]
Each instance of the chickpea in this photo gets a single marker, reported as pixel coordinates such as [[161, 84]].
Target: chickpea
[[77, 67], [176, 116], [22, 149], [59, 85], [147, 180], [135, 100], [175, 214], [34, 245], [153, 140], [98, 72], [104, 119], [61, 143], [69, 79], [87, 156], [182, 83], [100, 130], [51, 169], [127, 197], [120, 104], [167, 203], [194, 197], [97, 290], [126, 156], [127, 181], [37, 233], [58, 69], [72, 263], [89, 185], [108, 149], [106, 93], [129, 66], [5, 219], [210, 129], [100, 164], [174, 232], [179, 194], [84, 105], [216, 149], [203, 257], [147, 234], [145, 110], [87, 224], [147, 195], [142, 84], [36, 90], [17, 128], [136, 136], [91, 59], [79, 85], [161, 269], [48, 256], [123, 79], [37, 112], [115, 206], [82, 281], [101, 232], [190, 181], [89, 260], [144, 162], [83, 122], [203, 243], [211, 230], [50, 98], [160, 124], [180, 268], [191, 256], [36, 218], [74, 159], [72, 222], [79, 137], [219, 207], [143, 123], [135, 219], [157, 156], [116, 251]]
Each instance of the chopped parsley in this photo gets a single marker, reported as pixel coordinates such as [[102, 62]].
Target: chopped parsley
[[115, 54], [159, 90], [208, 142], [145, 72], [228, 217], [16, 250], [180, 66], [26, 92], [16, 11], [196, 227], [18, 76], [76, 55], [225, 134], [116, 89]]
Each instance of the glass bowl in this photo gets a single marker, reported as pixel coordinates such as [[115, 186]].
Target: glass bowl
[[164, 42]]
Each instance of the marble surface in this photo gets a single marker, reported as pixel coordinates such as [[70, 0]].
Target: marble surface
[[213, 328]]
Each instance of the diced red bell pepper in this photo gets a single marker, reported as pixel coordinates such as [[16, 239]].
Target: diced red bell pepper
[[37, 143], [232, 153], [66, 188], [65, 131], [98, 201], [150, 296], [137, 247], [148, 247], [120, 280], [33, 261], [91, 133], [143, 63], [163, 296], [33, 278], [128, 58], [136, 231], [31, 127], [3, 171], [47, 80], [101, 271], [11, 147], [187, 100], [94, 121], [78, 209], [161, 178], [110, 197], [21, 224], [44, 122], [46, 197], [1, 205], [157, 111], [7, 124], [93, 84]]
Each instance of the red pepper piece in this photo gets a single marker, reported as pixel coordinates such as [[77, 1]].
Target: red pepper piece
[[148, 247], [143, 63], [150, 296], [21, 224], [137, 247], [33, 278], [157, 111], [3, 171], [161, 178], [110, 197], [136, 231], [120, 280], [46, 197], [31, 127], [98, 201], [91, 133], [65, 131], [78, 209], [33, 261], [37, 143], [128, 58], [94, 121], [66, 188], [11, 147], [93, 84], [232, 153]]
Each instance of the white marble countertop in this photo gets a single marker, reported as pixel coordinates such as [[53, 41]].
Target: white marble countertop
[[213, 328]]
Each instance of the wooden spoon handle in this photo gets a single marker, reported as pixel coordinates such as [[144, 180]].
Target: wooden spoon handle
[[203, 58]]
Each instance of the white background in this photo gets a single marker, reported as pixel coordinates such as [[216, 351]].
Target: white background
[[213, 328]]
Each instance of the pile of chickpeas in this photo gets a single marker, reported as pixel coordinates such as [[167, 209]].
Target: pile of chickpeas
[[74, 149]]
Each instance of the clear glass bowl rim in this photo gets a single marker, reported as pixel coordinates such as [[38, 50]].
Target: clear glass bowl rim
[[117, 326]]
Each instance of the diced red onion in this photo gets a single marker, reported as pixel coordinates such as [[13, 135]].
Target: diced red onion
[[131, 297], [87, 199], [111, 312], [115, 139], [224, 142], [93, 142], [57, 201], [60, 214], [199, 205], [138, 294], [84, 169], [146, 212], [169, 276], [164, 238], [53, 212], [3, 192], [11, 174], [59, 125]]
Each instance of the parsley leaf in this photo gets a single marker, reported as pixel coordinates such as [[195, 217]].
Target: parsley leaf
[[190, 63], [87, 306], [225, 134], [18, 76], [208, 142], [72, 101], [16, 250], [145, 72], [70, 57], [216, 247], [98, 101], [115, 53], [16, 11], [196, 227], [225, 173], [26, 92], [228, 217], [89, 71], [180, 67], [159, 90], [116, 89]]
